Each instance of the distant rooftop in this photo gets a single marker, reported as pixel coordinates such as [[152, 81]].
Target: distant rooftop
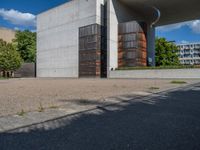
[[7, 34], [189, 43]]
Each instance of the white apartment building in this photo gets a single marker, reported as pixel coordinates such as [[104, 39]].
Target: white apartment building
[[189, 54]]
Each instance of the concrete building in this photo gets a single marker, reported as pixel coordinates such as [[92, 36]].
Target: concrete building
[[7, 34], [189, 54], [93, 37]]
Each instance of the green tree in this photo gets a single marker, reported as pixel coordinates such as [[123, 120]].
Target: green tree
[[166, 53], [10, 59], [25, 42]]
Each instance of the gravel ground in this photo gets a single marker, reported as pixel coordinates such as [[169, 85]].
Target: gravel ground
[[30, 94]]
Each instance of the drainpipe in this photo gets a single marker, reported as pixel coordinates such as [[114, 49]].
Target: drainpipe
[[151, 39], [158, 16]]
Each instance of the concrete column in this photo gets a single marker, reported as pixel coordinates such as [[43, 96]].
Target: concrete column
[[151, 46], [112, 37]]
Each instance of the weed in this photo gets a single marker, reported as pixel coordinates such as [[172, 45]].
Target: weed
[[178, 82], [53, 107], [41, 108], [21, 113], [154, 88]]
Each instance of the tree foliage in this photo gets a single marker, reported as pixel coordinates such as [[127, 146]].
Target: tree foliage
[[10, 59], [25, 42], [166, 53]]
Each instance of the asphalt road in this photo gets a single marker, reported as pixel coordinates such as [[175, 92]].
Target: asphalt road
[[170, 121]]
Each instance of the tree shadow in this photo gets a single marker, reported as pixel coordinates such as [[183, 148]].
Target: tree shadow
[[101, 101], [170, 121], [82, 101]]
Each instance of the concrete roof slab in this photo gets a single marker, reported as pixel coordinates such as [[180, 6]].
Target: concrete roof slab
[[172, 11]]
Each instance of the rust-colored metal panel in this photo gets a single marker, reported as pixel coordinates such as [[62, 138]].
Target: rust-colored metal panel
[[132, 44], [92, 51]]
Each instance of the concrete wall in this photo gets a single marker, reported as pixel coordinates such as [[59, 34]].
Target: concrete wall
[[160, 74], [7, 34], [57, 36], [112, 36]]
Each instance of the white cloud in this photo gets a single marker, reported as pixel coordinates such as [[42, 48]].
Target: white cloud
[[16, 28], [170, 27], [17, 17], [193, 25], [34, 30]]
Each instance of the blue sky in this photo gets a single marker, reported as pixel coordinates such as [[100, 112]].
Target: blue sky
[[22, 10], [181, 32], [21, 14]]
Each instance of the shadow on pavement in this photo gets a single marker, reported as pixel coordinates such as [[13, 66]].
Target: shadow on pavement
[[171, 121]]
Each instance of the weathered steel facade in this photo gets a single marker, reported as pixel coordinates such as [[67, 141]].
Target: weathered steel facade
[[92, 51], [132, 48], [132, 44]]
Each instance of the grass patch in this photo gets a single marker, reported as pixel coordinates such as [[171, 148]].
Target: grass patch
[[154, 88], [40, 108], [3, 78], [21, 113], [158, 67], [53, 107], [178, 82]]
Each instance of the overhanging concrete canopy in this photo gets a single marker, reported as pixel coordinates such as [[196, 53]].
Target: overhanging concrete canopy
[[172, 11], [153, 13]]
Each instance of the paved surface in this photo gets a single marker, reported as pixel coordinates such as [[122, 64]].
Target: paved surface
[[11, 122], [28, 94], [159, 122]]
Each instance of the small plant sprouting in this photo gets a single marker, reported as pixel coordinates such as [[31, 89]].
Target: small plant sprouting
[[41, 108], [53, 107], [21, 113], [154, 88]]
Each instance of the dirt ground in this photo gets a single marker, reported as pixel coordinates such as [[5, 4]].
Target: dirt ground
[[31, 94]]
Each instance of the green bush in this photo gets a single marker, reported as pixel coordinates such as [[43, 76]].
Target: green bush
[[166, 53], [10, 59]]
